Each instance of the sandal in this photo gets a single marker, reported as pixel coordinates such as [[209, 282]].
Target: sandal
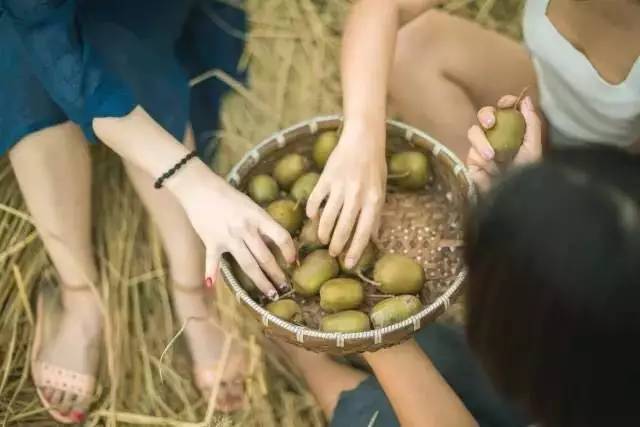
[[205, 378], [47, 375]]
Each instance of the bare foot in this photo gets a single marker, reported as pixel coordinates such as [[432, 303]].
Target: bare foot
[[205, 340], [73, 345]]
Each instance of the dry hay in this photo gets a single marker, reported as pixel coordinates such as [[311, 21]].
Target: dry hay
[[291, 54]]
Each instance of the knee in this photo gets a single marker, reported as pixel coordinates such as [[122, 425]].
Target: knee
[[420, 52]]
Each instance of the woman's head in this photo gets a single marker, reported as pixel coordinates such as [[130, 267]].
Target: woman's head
[[554, 287]]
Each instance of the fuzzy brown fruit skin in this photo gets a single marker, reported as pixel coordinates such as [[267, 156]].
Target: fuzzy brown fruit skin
[[394, 310], [308, 238], [286, 309], [303, 187], [287, 213], [263, 189], [415, 165], [341, 294], [289, 169], [315, 269], [507, 135], [323, 147], [366, 261], [346, 322], [398, 274]]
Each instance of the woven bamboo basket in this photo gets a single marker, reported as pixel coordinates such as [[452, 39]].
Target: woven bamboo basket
[[453, 181]]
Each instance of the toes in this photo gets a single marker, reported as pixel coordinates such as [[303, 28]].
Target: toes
[[47, 393], [56, 398], [66, 403]]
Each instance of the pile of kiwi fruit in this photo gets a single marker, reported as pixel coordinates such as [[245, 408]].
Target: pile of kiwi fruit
[[380, 290]]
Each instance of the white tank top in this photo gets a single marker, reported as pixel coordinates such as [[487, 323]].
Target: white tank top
[[576, 100]]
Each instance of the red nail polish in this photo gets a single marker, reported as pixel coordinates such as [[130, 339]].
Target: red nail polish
[[208, 282], [77, 416]]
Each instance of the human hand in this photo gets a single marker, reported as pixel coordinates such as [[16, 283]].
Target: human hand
[[480, 160], [353, 184], [228, 221]]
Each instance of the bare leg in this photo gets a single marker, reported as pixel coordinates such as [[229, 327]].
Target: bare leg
[[185, 254], [447, 67], [326, 378], [53, 169]]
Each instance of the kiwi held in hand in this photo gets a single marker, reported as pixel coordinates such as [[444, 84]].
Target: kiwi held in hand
[[287, 213], [365, 262], [393, 310], [345, 322], [315, 269], [507, 135], [263, 189], [286, 309], [341, 294], [289, 169], [409, 170], [323, 147], [398, 274], [303, 187]]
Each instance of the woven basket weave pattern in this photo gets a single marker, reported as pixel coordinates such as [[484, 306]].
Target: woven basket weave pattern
[[299, 139]]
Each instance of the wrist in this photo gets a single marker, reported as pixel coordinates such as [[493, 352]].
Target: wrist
[[188, 181], [364, 131]]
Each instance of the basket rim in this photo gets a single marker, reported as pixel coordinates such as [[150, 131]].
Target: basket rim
[[443, 301]]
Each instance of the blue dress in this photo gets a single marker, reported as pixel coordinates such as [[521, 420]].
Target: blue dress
[[77, 60]]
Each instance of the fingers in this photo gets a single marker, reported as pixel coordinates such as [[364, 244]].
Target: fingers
[[487, 117], [481, 147], [507, 101], [212, 260], [345, 224], [265, 259], [366, 224], [533, 132], [329, 215], [319, 193], [480, 176], [250, 266], [280, 237]]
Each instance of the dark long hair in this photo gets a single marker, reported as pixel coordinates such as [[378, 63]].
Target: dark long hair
[[554, 287]]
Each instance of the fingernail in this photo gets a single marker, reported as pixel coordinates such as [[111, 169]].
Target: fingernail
[[77, 416], [273, 295], [488, 122], [487, 153], [349, 262], [208, 282], [284, 286], [528, 104]]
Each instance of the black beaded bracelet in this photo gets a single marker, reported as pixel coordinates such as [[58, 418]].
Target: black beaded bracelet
[[174, 169]]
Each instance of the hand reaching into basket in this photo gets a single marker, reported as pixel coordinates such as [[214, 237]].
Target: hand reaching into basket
[[228, 221], [353, 185], [483, 160]]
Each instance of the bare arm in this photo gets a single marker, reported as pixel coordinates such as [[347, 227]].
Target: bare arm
[[368, 47], [418, 393]]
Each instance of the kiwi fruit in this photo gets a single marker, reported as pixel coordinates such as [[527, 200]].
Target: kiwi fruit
[[345, 322], [409, 170], [303, 187], [315, 269], [287, 213], [398, 274], [393, 310], [263, 189], [323, 147], [286, 309], [308, 238], [341, 294], [289, 169], [507, 135], [366, 261]]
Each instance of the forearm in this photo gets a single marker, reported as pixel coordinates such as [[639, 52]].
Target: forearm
[[141, 141], [418, 393], [368, 47]]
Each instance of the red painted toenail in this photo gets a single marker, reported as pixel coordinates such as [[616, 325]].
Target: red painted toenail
[[77, 416]]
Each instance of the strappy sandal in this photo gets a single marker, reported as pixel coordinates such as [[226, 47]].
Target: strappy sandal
[[206, 378], [47, 375]]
